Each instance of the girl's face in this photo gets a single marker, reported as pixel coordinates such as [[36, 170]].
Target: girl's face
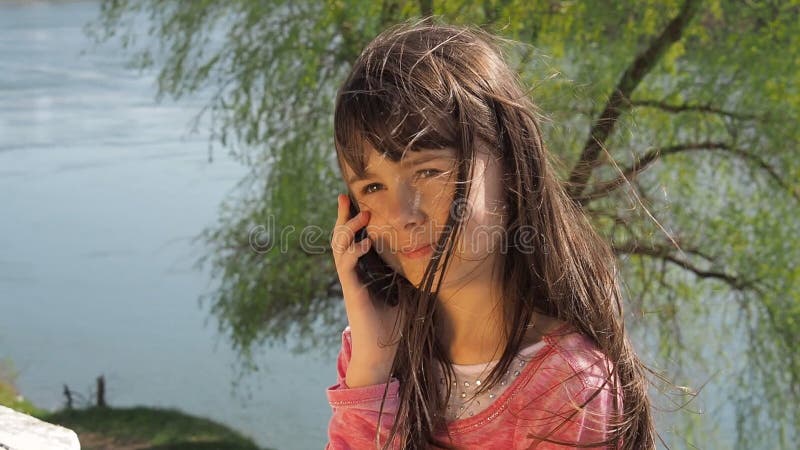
[[410, 202]]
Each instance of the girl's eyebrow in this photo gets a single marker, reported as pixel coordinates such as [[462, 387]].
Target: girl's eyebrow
[[426, 157], [356, 177], [410, 161]]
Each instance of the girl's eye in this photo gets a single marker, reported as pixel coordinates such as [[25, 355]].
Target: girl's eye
[[370, 188]]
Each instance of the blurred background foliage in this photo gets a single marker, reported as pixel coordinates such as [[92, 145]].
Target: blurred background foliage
[[675, 124]]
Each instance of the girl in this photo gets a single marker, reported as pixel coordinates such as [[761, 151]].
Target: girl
[[483, 310]]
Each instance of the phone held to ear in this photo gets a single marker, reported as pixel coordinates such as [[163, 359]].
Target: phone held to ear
[[372, 271]]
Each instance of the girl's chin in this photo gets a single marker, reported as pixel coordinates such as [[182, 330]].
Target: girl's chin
[[413, 274], [417, 281]]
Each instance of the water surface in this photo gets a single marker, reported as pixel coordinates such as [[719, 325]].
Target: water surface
[[101, 192]]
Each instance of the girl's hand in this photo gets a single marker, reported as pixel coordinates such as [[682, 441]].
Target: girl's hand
[[371, 324]]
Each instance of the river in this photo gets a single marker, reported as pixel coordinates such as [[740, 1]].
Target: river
[[101, 192]]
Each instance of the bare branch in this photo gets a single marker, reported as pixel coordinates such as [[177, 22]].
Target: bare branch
[[765, 166], [426, 8], [667, 254], [491, 10], [630, 173], [691, 108], [618, 102], [390, 12]]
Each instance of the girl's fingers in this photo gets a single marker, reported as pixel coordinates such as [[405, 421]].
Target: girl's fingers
[[345, 230], [363, 246], [344, 206], [344, 235]]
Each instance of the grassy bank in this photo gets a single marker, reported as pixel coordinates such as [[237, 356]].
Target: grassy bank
[[137, 428], [148, 429]]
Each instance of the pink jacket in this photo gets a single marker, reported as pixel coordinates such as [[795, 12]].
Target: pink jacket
[[561, 377]]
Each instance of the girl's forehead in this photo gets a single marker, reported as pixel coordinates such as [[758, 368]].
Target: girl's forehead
[[372, 157], [367, 154], [373, 160]]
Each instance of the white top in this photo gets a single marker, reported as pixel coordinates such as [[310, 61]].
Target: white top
[[465, 400]]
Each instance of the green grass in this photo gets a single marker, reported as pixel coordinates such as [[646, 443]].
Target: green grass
[[162, 429], [149, 428]]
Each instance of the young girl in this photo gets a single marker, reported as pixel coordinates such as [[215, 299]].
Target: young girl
[[483, 310]]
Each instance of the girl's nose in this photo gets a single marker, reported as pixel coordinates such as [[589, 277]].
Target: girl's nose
[[406, 208]]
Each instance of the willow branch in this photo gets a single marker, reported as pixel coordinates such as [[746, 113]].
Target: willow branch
[[769, 169], [685, 107], [426, 8], [631, 172], [667, 254], [619, 103], [491, 10], [389, 12]]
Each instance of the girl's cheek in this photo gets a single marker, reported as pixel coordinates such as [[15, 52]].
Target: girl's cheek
[[436, 202], [382, 244], [384, 251], [373, 236], [376, 234]]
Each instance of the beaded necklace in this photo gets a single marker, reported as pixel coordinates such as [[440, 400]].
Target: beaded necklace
[[467, 398]]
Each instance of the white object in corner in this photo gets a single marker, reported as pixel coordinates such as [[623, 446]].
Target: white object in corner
[[22, 432]]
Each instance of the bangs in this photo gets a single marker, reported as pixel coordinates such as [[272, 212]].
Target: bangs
[[391, 121]]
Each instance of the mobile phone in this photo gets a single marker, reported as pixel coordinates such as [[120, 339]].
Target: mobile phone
[[372, 270]]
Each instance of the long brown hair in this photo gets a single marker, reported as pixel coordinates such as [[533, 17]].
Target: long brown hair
[[426, 85]]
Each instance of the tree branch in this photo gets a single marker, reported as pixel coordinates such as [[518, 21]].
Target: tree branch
[[666, 253], [629, 173], [618, 101], [491, 10], [389, 12], [685, 107], [765, 166], [426, 8]]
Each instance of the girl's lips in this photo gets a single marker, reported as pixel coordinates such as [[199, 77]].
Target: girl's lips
[[418, 252]]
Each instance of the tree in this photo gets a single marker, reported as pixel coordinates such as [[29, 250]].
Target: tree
[[675, 121]]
